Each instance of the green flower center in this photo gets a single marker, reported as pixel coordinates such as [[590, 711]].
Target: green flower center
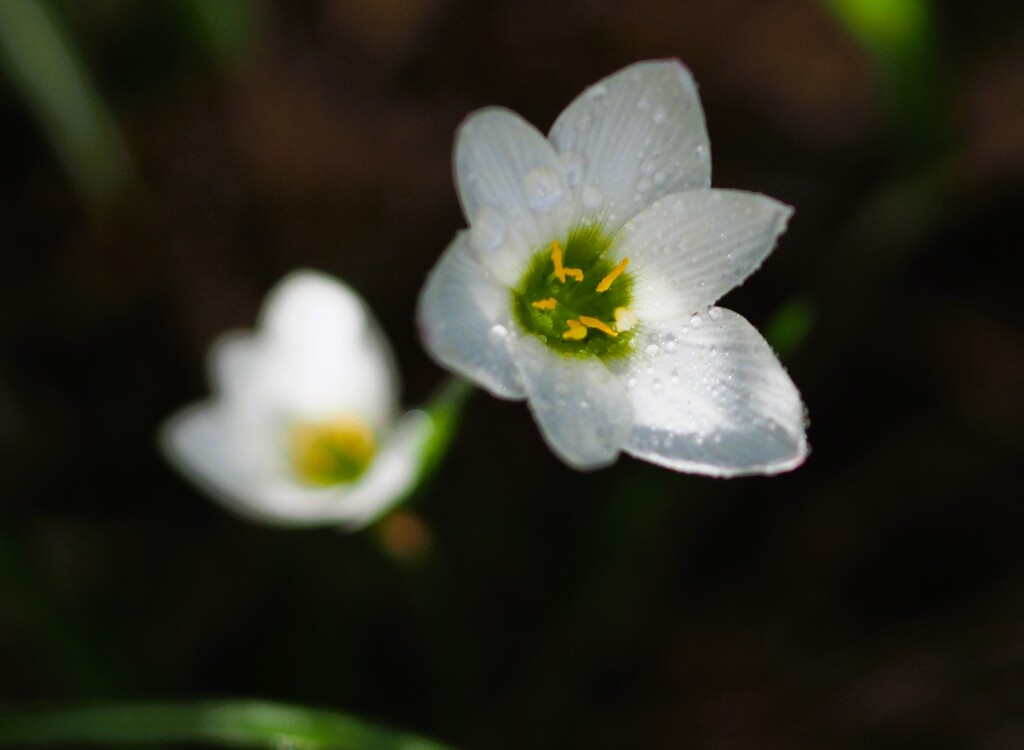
[[332, 452], [576, 299]]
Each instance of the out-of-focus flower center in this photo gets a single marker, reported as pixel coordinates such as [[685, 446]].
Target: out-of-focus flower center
[[576, 298], [331, 452]]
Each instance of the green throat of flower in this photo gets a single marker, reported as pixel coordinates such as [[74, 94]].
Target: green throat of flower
[[576, 299], [331, 452]]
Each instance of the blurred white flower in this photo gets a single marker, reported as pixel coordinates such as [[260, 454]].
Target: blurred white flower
[[302, 427], [586, 282]]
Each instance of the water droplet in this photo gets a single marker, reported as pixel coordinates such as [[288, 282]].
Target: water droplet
[[659, 116], [643, 185], [631, 383], [700, 150], [597, 91], [696, 321], [488, 229], [653, 350], [592, 197], [715, 313], [649, 167], [659, 178], [498, 333], [657, 387], [543, 189], [670, 345], [584, 404]]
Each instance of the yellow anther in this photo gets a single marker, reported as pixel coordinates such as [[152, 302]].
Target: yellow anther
[[606, 282], [598, 324], [331, 452], [545, 304], [561, 271], [625, 319], [577, 331]]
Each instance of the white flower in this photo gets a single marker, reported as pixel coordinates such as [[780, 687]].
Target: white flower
[[301, 428], [586, 282]]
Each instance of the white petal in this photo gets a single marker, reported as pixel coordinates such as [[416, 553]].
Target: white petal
[[231, 361], [688, 249], [465, 321], [636, 135], [322, 353], [711, 398], [582, 409], [199, 441], [512, 187]]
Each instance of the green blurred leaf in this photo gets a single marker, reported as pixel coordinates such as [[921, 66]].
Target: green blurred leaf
[[789, 326], [41, 62], [253, 724]]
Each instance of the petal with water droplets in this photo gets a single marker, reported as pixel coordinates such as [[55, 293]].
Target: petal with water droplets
[[711, 398], [641, 133], [688, 249], [465, 321], [581, 407], [505, 166]]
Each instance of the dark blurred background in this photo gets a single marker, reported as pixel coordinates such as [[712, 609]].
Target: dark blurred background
[[874, 598]]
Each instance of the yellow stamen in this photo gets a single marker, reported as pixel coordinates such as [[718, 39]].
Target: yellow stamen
[[331, 452], [576, 332], [545, 304], [606, 282], [625, 319], [598, 324], [561, 271]]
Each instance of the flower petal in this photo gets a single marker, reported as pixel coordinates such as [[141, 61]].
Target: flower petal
[[711, 398], [231, 361], [321, 352], [635, 136], [465, 321], [583, 410], [688, 249], [512, 187], [201, 444]]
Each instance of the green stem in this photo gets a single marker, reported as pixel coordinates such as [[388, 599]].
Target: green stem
[[229, 723]]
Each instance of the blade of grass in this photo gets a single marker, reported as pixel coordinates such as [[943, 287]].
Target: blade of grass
[[228, 723], [41, 62]]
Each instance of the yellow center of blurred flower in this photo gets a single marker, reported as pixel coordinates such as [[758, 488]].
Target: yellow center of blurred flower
[[331, 452]]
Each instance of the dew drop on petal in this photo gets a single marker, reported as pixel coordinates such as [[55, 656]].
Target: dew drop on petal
[[659, 116], [696, 321], [592, 197], [498, 333], [652, 350], [543, 189], [631, 383], [643, 185], [715, 313], [596, 92]]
